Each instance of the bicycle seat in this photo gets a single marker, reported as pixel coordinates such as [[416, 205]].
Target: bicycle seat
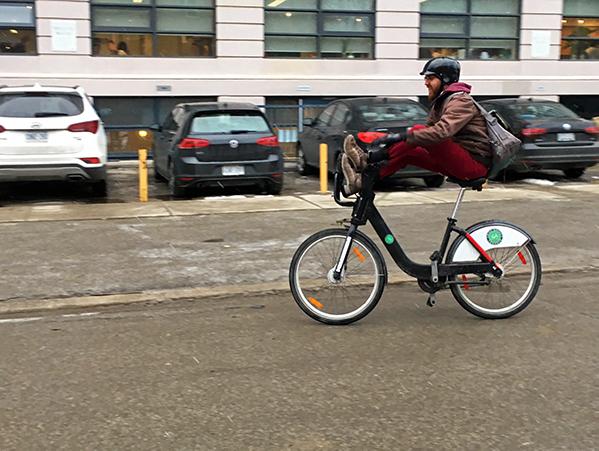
[[475, 184]]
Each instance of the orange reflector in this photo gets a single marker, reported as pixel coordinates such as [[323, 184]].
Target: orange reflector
[[359, 254], [522, 258], [315, 303], [465, 286]]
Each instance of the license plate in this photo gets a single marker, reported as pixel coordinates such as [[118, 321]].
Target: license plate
[[233, 170], [38, 137], [566, 137]]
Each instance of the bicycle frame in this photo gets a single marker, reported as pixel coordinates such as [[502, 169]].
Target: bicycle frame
[[365, 211]]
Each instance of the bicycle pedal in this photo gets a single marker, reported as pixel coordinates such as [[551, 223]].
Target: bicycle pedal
[[432, 300]]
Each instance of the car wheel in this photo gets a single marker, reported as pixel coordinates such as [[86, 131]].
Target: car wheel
[[434, 181], [574, 173], [274, 188], [157, 175], [176, 191], [99, 189], [302, 162]]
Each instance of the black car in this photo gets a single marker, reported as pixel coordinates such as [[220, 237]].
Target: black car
[[366, 118], [217, 144], [553, 137]]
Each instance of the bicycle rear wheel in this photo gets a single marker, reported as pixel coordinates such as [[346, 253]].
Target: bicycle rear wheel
[[332, 301], [489, 297]]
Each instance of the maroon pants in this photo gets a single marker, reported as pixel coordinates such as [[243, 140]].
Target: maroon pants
[[446, 157]]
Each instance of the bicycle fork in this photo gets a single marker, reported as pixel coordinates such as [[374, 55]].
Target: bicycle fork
[[342, 260]]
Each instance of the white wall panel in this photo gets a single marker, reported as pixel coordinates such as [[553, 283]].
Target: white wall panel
[[241, 32], [541, 21], [398, 35], [253, 49], [62, 9], [397, 20], [397, 51], [543, 6], [240, 15]]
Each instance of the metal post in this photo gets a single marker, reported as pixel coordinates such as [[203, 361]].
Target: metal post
[[143, 175], [324, 171], [457, 203]]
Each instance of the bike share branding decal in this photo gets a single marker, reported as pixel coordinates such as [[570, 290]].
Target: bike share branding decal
[[389, 239], [494, 236]]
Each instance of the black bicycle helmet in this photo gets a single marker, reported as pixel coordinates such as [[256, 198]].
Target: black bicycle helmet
[[446, 69]]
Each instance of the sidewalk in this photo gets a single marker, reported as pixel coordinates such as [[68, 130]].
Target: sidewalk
[[255, 204], [59, 256]]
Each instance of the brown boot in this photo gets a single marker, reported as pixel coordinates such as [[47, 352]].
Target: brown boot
[[357, 156], [352, 180]]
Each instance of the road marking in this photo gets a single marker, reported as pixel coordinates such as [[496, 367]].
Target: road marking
[[20, 320], [582, 188], [75, 315]]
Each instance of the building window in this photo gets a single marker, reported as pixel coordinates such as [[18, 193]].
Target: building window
[[17, 27], [163, 28], [580, 30], [470, 29], [319, 28]]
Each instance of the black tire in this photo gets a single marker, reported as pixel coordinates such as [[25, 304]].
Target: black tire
[[302, 163], [157, 176], [574, 173], [434, 181], [99, 189], [465, 293], [274, 188], [364, 277], [175, 190]]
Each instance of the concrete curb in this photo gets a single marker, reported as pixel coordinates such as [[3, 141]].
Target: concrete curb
[[17, 306]]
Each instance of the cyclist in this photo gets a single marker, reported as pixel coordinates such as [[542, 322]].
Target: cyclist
[[454, 142]]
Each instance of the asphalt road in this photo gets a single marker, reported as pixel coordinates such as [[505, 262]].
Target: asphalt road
[[255, 373], [97, 257]]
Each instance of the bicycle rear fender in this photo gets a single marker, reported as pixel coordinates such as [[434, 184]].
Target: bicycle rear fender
[[491, 234]]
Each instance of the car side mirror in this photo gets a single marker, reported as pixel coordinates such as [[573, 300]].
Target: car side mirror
[[308, 122], [155, 128]]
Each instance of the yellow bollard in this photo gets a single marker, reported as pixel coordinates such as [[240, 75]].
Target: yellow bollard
[[324, 167], [143, 175]]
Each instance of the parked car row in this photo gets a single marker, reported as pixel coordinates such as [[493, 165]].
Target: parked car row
[[553, 137], [54, 133]]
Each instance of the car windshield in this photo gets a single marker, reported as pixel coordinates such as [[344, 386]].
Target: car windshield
[[537, 111], [229, 123], [391, 112], [40, 104]]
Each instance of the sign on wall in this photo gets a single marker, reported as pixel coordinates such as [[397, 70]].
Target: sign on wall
[[64, 35]]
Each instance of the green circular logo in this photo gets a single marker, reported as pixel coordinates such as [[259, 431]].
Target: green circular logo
[[389, 239], [494, 236]]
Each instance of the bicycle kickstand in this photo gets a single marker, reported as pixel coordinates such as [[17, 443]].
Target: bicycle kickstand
[[432, 300]]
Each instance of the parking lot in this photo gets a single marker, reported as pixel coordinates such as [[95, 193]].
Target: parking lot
[[123, 186]]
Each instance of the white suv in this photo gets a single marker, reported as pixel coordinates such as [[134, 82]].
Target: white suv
[[51, 133]]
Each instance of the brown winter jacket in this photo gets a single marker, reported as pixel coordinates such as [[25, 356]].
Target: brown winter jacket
[[457, 118]]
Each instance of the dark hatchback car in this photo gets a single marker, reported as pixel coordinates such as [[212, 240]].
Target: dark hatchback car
[[553, 137], [217, 144], [366, 118]]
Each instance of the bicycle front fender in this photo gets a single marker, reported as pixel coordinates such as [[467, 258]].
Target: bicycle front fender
[[491, 234]]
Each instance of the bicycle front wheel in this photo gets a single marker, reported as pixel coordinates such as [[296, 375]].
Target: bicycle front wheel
[[341, 301]]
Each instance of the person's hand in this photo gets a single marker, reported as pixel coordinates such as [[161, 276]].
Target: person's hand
[[389, 139]]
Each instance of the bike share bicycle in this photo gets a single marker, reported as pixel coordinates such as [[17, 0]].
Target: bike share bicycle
[[337, 276]]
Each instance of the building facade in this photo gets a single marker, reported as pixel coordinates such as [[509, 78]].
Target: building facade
[[138, 58]]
